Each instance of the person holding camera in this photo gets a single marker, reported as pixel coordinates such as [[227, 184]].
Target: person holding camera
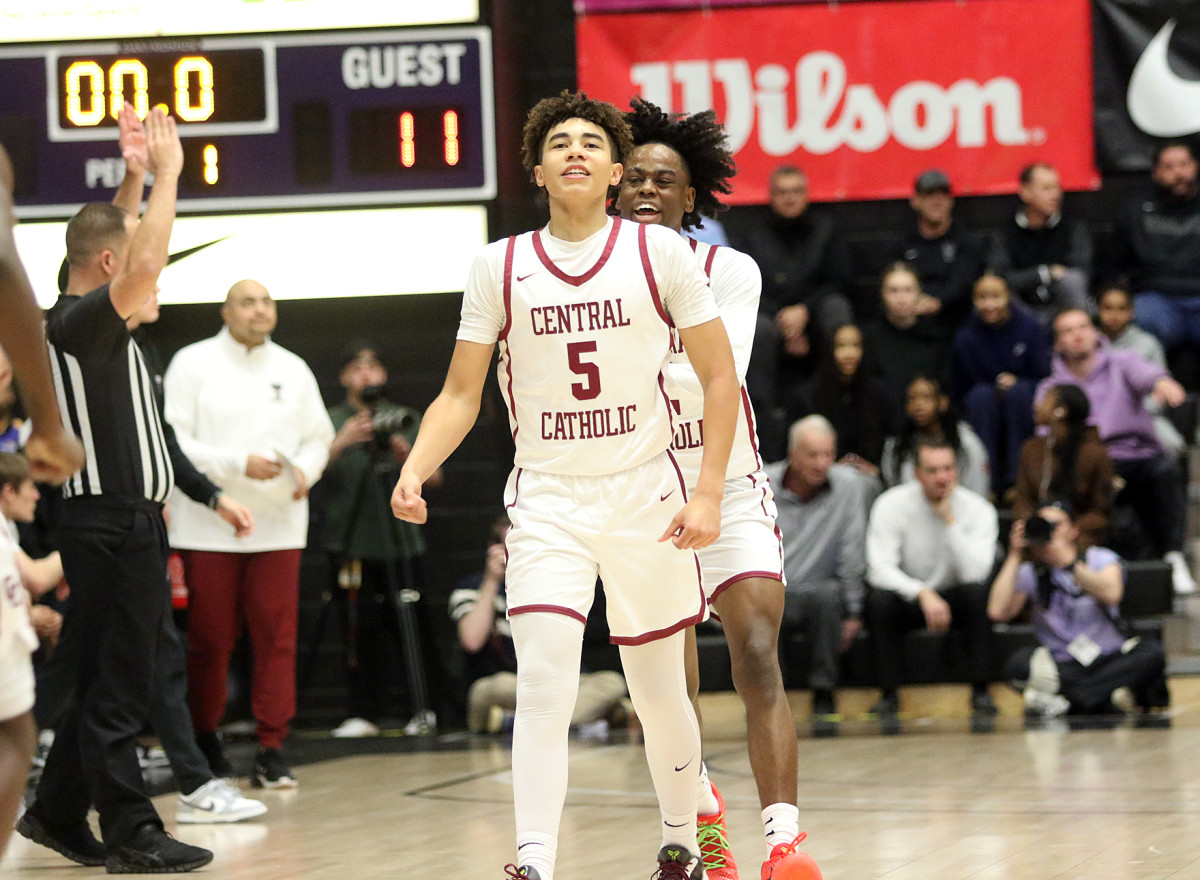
[[373, 439], [249, 415], [1085, 662]]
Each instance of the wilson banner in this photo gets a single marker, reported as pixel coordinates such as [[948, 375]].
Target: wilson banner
[[864, 96]]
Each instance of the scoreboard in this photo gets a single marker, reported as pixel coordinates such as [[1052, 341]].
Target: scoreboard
[[345, 118]]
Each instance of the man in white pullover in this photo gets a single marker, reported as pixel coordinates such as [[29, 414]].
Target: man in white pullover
[[930, 550], [249, 414]]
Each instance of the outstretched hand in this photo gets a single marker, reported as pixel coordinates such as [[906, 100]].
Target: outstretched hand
[[132, 139]]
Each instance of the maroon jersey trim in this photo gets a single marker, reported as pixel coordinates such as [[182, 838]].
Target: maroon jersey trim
[[508, 267], [644, 249], [577, 280], [744, 576]]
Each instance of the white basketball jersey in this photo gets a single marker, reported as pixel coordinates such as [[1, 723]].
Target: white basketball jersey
[[582, 352], [736, 286], [14, 607]]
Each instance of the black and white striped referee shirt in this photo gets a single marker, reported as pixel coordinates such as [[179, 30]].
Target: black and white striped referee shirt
[[107, 398]]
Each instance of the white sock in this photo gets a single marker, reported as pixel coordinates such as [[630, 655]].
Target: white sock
[[537, 851], [781, 823], [706, 801]]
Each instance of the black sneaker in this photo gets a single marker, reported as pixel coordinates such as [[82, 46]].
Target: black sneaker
[[152, 851], [823, 703], [887, 706], [982, 703], [271, 771], [76, 842], [214, 753], [676, 863]]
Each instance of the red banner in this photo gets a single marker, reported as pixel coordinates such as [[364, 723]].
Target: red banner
[[865, 96]]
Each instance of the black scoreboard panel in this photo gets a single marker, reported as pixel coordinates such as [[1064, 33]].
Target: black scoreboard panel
[[268, 121]]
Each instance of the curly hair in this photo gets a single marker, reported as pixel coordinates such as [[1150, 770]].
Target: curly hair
[[699, 139], [549, 112]]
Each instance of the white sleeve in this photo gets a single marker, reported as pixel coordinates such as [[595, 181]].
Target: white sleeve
[[884, 538], [182, 386], [973, 538], [483, 315], [682, 284], [737, 286], [312, 446]]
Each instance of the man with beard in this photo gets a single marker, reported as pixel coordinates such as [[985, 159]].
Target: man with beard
[[1158, 245]]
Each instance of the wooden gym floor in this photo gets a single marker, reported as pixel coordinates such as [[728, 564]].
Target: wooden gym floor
[[936, 802]]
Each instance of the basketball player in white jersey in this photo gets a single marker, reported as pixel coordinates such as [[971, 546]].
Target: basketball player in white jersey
[[676, 172], [582, 310]]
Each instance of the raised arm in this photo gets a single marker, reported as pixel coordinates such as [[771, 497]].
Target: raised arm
[[147, 255], [447, 421]]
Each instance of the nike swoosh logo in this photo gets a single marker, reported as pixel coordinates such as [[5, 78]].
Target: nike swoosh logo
[[1160, 102], [685, 766], [670, 825], [521, 278], [179, 255], [664, 498]]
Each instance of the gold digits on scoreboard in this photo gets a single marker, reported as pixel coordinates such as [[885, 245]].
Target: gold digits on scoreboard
[[129, 80]]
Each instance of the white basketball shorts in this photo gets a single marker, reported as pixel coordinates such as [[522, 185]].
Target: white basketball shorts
[[567, 530], [750, 545]]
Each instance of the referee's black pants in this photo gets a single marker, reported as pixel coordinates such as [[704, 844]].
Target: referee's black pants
[[114, 556]]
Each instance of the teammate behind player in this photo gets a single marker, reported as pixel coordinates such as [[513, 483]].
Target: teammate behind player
[[676, 172], [581, 310]]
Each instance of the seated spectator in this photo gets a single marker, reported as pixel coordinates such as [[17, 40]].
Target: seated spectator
[[1067, 462], [930, 549], [1045, 257], [1116, 322], [822, 517], [805, 270], [903, 343], [479, 608], [13, 431], [931, 418], [1116, 383], [1085, 662], [855, 403], [18, 498], [1000, 355], [946, 257], [1157, 245]]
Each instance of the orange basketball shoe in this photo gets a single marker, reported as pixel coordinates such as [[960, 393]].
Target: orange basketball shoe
[[785, 863], [714, 843]]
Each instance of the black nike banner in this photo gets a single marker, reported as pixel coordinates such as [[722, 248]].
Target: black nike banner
[[1146, 61]]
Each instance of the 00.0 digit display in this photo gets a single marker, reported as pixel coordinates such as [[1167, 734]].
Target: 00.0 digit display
[[216, 86]]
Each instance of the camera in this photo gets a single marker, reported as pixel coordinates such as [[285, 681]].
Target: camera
[[384, 421], [1038, 531]]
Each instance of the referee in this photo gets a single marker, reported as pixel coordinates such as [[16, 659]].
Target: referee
[[113, 539]]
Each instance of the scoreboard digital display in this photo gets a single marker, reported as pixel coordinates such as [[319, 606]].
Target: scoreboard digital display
[[267, 121]]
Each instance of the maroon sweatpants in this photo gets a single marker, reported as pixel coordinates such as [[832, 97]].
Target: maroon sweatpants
[[262, 591]]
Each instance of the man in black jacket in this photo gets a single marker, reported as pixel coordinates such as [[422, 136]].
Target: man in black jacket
[[1046, 258], [805, 270], [1158, 245]]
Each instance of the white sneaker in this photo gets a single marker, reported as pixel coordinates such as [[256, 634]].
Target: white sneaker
[[1044, 704], [217, 801], [1181, 575], [353, 728]]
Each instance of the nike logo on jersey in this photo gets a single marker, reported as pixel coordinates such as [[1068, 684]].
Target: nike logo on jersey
[[665, 497], [521, 278], [1161, 102]]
